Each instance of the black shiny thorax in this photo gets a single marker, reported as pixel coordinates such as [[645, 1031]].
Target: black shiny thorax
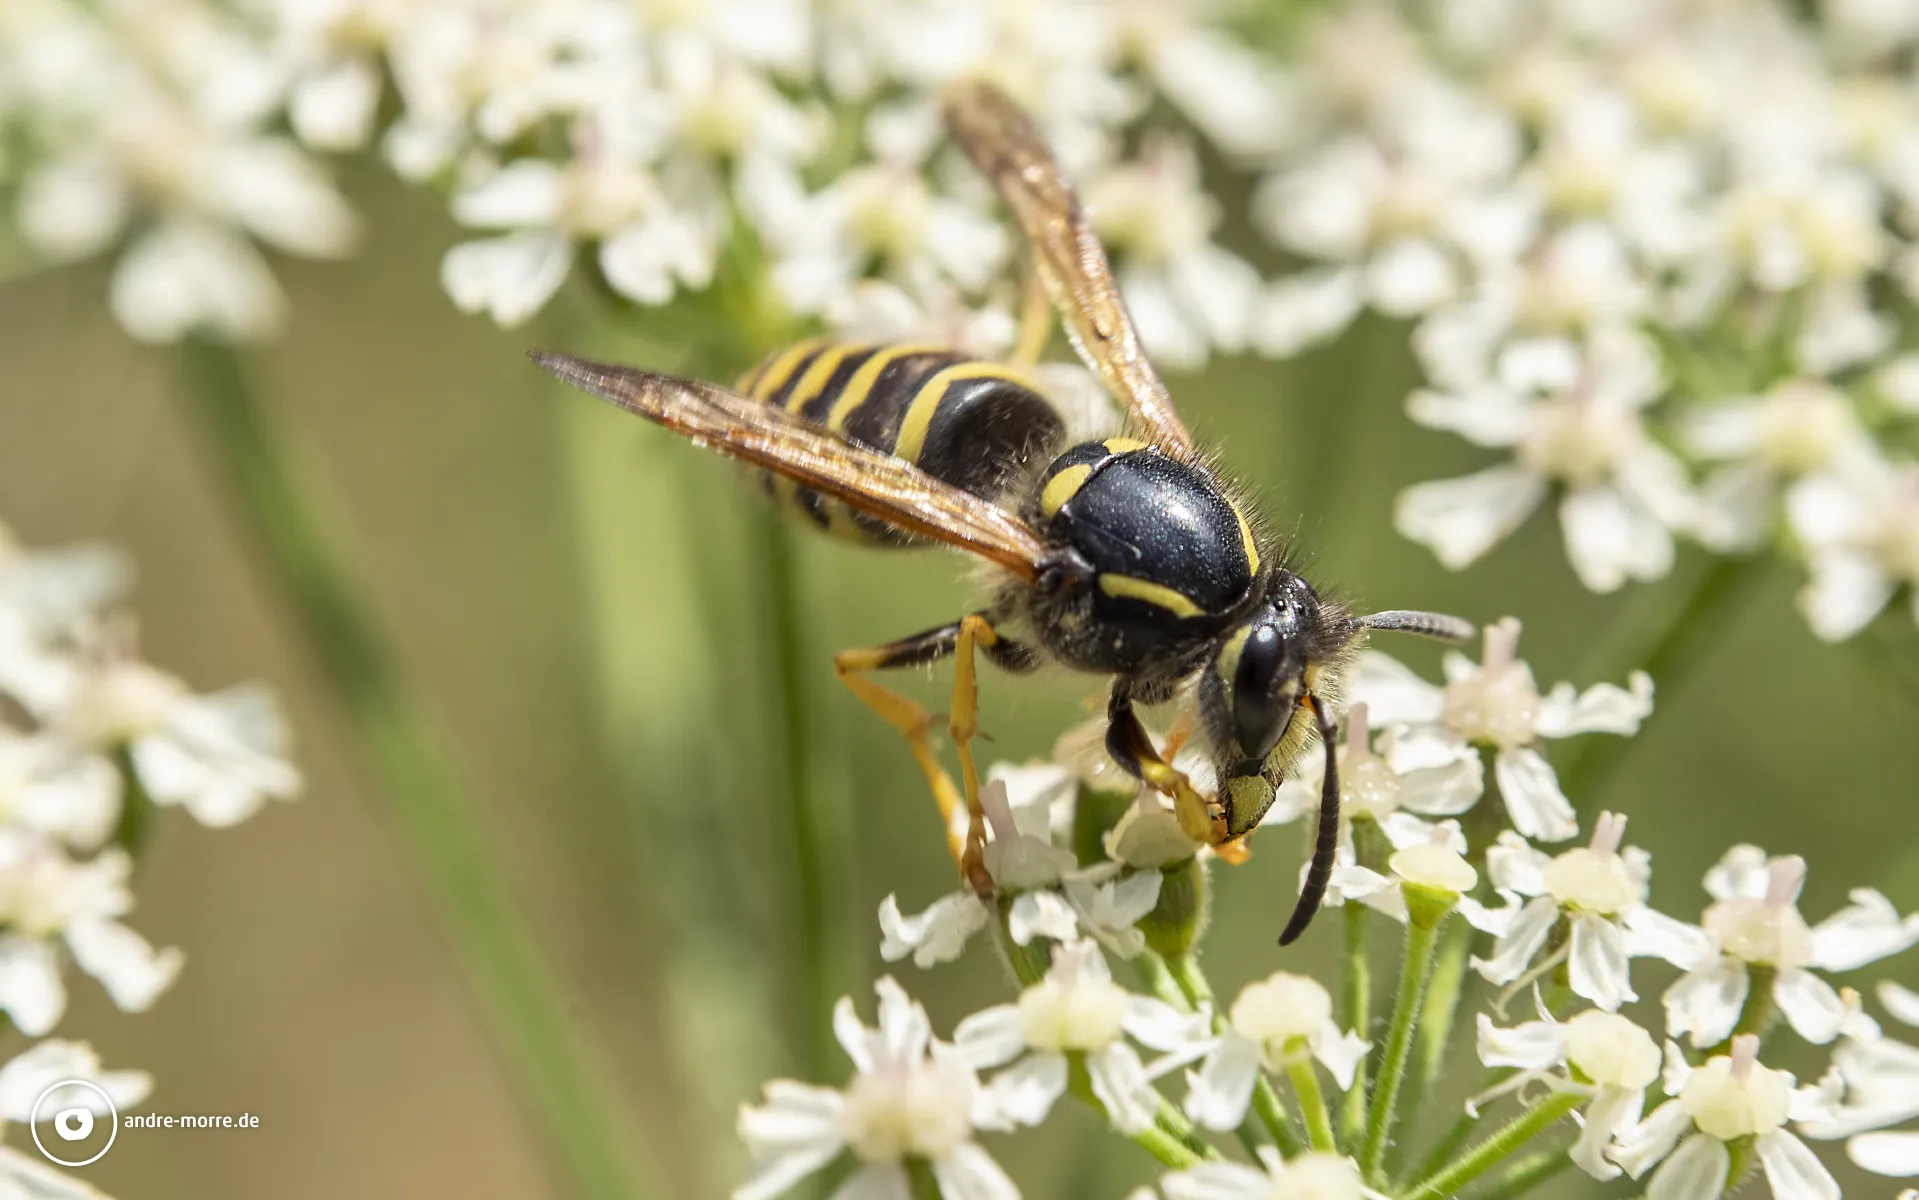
[[1158, 558]]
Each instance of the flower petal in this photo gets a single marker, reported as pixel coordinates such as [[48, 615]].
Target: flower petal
[[1025, 1092], [133, 973], [1602, 708], [1653, 934], [1539, 810], [1514, 952], [1598, 968], [1696, 1171], [1531, 1046], [1459, 520], [970, 1173], [30, 989], [1812, 1007], [1792, 1171], [1218, 1093], [1610, 538], [1640, 1146], [935, 936], [1865, 931], [1121, 1083], [1892, 1154], [1706, 1003], [990, 1037], [1613, 1109]]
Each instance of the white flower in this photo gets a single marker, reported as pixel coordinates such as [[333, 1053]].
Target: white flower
[[1571, 415], [1078, 1009], [48, 789], [1497, 704], [1052, 897], [1798, 427], [45, 897], [1881, 1078], [1408, 778], [1314, 1175], [910, 1097], [1598, 1054], [220, 756], [24, 1078], [1860, 528], [1755, 923], [1275, 1022], [1727, 1099], [1597, 895], [1186, 293]]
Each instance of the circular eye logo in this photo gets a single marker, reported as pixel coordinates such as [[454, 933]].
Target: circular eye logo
[[72, 1106]]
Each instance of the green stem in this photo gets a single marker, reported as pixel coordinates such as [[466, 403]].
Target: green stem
[[1436, 1016], [1356, 994], [1447, 1145], [1194, 985], [1756, 1014], [819, 824], [1525, 1175], [1312, 1103], [1688, 628], [1420, 941], [921, 1183], [1497, 1148], [135, 829], [557, 1078]]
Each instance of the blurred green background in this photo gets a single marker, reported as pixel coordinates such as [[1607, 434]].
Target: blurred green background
[[583, 603]]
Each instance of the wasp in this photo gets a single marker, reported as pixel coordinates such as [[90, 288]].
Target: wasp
[[1129, 557]]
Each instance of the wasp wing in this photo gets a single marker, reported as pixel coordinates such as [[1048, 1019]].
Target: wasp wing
[[1008, 149], [881, 485]]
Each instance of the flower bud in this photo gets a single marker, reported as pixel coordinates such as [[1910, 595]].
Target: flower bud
[[1282, 1009], [1177, 922], [1433, 876], [1611, 1051], [1736, 1097]]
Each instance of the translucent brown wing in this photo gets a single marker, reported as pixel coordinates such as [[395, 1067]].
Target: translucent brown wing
[[888, 488], [1009, 151]]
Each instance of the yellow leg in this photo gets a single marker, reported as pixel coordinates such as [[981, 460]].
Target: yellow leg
[[912, 721], [1035, 322], [963, 724]]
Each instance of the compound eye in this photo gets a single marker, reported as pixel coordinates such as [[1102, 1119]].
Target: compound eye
[[1257, 715]]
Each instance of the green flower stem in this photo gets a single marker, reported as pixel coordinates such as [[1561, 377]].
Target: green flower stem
[[1456, 1134], [1312, 1103], [1693, 618], [1169, 1148], [1421, 938], [1194, 985], [576, 1112], [134, 832], [1436, 1016], [1356, 989], [1153, 973], [1526, 1175], [1496, 1149], [920, 1180], [819, 823]]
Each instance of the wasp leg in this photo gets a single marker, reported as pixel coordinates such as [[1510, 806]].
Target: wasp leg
[[913, 721], [1128, 744], [1035, 322]]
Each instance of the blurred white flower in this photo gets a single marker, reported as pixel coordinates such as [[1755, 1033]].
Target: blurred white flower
[[1497, 704], [1881, 1078], [24, 1079], [1860, 528], [1078, 1009], [1798, 427], [48, 900], [1755, 925], [910, 1097]]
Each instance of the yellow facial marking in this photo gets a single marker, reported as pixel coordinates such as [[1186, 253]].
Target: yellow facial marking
[[926, 402], [1228, 661], [766, 380], [860, 386], [818, 372], [1063, 487], [1121, 445], [1246, 539], [1131, 588]]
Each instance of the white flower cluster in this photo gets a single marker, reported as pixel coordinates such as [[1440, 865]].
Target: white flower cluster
[[666, 140], [91, 741], [1657, 254], [1564, 923]]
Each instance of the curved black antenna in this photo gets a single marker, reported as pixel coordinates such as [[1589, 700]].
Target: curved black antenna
[[1326, 844], [1425, 624]]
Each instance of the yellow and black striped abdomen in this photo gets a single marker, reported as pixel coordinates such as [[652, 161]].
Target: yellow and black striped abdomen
[[973, 424]]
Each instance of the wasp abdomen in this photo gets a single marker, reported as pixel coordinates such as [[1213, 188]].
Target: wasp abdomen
[[969, 423]]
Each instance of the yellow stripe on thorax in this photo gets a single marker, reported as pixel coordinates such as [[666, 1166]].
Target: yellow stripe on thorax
[[1063, 487], [763, 381], [1132, 588], [926, 401], [861, 384], [818, 373], [1123, 445], [1246, 539]]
